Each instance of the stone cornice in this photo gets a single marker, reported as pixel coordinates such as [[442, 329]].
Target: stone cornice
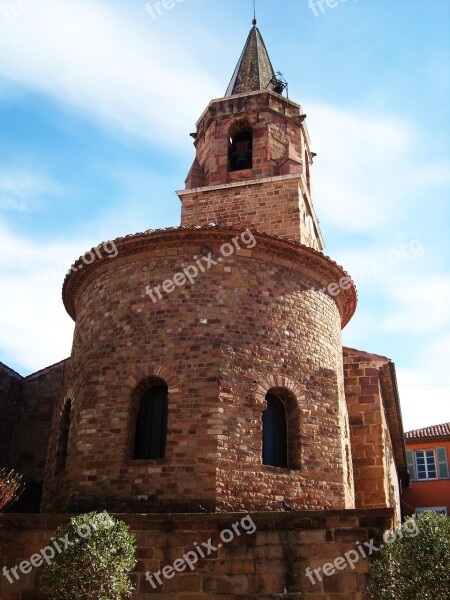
[[391, 402]]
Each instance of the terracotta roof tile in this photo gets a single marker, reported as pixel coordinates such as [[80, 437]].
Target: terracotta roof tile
[[434, 433]]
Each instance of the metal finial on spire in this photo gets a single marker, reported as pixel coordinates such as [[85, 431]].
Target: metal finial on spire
[[254, 22]]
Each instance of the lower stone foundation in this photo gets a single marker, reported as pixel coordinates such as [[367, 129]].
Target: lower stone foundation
[[261, 556]]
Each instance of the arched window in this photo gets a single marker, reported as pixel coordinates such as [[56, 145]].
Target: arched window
[[151, 424], [63, 438], [274, 433], [240, 150]]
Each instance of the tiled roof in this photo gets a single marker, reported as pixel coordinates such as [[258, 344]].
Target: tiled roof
[[427, 434], [254, 70]]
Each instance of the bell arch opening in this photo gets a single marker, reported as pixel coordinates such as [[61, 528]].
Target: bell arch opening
[[240, 147]]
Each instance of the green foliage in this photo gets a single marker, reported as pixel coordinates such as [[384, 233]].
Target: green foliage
[[416, 564], [96, 566]]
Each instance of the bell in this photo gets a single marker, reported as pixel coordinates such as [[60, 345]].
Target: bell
[[242, 161]]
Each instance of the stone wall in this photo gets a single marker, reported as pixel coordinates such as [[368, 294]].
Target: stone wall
[[255, 321], [10, 393], [274, 195], [39, 393], [32, 430], [251, 205], [376, 467], [269, 563]]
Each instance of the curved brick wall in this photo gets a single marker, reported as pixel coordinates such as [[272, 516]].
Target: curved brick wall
[[258, 320]]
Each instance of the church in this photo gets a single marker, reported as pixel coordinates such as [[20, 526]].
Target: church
[[208, 381]]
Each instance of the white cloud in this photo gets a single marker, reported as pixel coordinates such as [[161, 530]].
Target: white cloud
[[368, 172], [417, 295], [35, 330], [100, 62], [23, 190], [420, 305]]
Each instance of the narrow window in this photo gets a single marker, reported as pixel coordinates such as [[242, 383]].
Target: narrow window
[[240, 152], [274, 433], [151, 424], [63, 439]]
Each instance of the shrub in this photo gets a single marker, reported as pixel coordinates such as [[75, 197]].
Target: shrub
[[96, 564], [11, 486], [416, 564]]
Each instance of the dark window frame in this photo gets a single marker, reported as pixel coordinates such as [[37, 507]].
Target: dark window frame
[[150, 437], [275, 433]]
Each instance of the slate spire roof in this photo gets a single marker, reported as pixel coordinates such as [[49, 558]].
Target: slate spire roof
[[254, 70]]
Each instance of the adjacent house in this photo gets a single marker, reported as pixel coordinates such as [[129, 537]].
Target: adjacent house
[[428, 452]]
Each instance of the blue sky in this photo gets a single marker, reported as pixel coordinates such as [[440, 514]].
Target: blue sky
[[97, 100]]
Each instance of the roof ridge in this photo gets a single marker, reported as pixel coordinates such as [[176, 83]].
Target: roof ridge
[[2, 364], [44, 369]]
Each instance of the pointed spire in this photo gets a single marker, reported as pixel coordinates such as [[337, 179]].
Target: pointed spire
[[254, 70]]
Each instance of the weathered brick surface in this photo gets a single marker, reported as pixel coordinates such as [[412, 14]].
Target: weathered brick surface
[[260, 566], [273, 196], [375, 473], [32, 429], [10, 391], [29, 428], [252, 205], [258, 320]]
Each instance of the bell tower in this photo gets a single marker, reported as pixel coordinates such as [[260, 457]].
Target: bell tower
[[253, 156]]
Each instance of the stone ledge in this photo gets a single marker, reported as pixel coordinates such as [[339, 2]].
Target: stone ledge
[[305, 519]]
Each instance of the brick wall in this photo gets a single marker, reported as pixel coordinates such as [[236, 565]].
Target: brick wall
[[9, 400], [274, 195], [32, 430], [256, 321], [270, 563], [275, 206], [376, 474]]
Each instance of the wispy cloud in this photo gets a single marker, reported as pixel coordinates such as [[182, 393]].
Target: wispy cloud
[[368, 173], [419, 305], [23, 190], [34, 328], [107, 66]]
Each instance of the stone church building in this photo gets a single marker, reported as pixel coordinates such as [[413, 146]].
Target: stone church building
[[208, 380]]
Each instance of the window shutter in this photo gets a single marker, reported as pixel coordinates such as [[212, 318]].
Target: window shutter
[[411, 465], [441, 454]]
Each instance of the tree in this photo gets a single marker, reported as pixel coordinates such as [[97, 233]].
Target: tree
[[415, 562], [11, 486], [94, 561]]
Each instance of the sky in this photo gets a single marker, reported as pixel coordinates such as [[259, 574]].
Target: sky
[[97, 100]]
